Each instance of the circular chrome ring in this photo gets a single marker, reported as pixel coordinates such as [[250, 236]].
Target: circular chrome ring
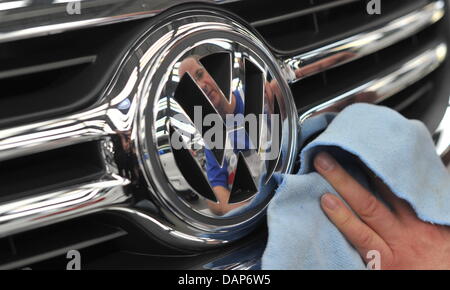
[[237, 71]]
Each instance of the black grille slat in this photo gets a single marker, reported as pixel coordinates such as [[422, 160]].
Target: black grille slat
[[51, 170], [45, 67], [50, 76], [308, 93], [409, 96], [53, 74], [55, 241], [310, 24], [324, 86], [265, 8], [313, 9]]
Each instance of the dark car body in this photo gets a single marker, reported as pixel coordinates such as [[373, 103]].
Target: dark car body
[[58, 60]]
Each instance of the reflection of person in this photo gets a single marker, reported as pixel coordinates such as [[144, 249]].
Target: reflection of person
[[219, 177], [404, 241], [204, 80]]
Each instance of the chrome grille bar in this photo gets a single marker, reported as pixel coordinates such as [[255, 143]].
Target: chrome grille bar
[[381, 88], [96, 123], [35, 22], [47, 135], [68, 203], [443, 136], [301, 13], [45, 209], [360, 45]]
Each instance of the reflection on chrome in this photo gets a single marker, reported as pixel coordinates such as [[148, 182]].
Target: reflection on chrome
[[53, 134], [209, 73], [229, 63], [357, 46], [57, 206], [384, 87], [153, 225], [133, 121], [95, 13], [443, 134]]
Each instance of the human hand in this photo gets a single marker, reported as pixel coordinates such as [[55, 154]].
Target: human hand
[[403, 240]]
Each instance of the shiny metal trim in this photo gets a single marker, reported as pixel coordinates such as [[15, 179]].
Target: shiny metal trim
[[50, 17], [152, 224], [53, 134], [381, 88], [301, 13], [443, 137], [115, 121], [102, 195], [110, 119], [247, 257], [169, 110], [37, 211], [223, 229], [360, 45]]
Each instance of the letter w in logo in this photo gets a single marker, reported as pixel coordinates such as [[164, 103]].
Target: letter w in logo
[[210, 84]]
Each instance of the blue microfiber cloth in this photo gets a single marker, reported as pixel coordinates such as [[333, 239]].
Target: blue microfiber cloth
[[399, 151]]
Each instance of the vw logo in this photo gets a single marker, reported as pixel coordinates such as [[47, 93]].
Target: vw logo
[[216, 122], [232, 123], [222, 118]]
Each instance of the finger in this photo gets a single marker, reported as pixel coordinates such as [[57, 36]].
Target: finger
[[364, 203], [363, 238], [401, 208]]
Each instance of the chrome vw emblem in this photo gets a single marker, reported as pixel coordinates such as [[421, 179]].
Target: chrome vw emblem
[[208, 122], [219, 122]]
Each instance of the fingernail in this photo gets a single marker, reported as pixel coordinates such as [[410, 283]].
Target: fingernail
[[325, 161], [329, 201]]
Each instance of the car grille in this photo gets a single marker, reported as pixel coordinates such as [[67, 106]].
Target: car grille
[[299, 26], [54, 76], [301, 31], [47, 77]]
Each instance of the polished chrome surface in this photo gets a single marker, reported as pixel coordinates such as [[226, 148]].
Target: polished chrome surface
[[381, 88], [125, 120], [47, 135], [357, 46], [442, 136], [25, 214], [188, 83], [248, 257], [160, 110], [119, 122], [136, 184], [21, 19], [303, 12]]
